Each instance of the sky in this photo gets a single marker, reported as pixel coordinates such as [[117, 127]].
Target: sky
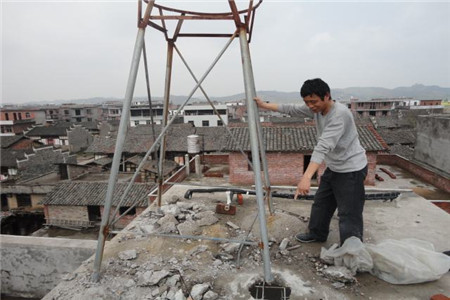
[[63, 50]]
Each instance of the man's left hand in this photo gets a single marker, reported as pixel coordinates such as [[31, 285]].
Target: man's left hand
[[303, 187]]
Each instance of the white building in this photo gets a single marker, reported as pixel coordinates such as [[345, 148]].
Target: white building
[[204, 116]]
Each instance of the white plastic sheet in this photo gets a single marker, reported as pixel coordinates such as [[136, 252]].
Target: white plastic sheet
[[403, 261]]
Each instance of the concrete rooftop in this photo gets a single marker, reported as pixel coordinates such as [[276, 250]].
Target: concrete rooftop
[[205, 261]]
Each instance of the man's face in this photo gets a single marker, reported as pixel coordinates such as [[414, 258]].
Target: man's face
[[316, 104]]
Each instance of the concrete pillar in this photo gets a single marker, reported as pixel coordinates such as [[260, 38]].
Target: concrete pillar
[[186, 164], [198, 166]]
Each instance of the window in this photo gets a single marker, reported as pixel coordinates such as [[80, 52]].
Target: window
[[136, 123], [123, 209], [20, 116], [88, 111], [205, 123], [222, 111], [7, 116], [219, 123], [77, 112], [27, 115], [66, 112], [23, 200]]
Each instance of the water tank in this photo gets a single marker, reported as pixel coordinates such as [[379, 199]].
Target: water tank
[[193, 144]]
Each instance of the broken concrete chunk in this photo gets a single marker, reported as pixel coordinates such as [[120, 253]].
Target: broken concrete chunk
[[168, 218], [284, 243], [144, 279], [173, 200], [170, 294], [198, 290], [172, 209], [210, 295], [338, 285], [232, 225], [225, 256], [198, 249], [172, 281], [129, 283], [188, 228], [167, 228], [146, 229], [185, 205], [230, 247], [341, 274], [205, 218], [179, 295], [128, 254], [158, 276]]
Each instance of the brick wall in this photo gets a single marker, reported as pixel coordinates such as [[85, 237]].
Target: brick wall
[[215, 158], [23, 144], [371, 168], [62, 212], [285, 168], [417, 170], [125, 220]]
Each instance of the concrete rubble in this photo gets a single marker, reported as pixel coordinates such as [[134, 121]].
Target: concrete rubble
[[139, 264]]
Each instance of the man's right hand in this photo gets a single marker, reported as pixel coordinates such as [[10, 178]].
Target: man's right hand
[[259, 102]]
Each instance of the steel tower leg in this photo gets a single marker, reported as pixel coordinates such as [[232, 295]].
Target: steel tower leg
[[250, 93], [162, 152], [123, 128]]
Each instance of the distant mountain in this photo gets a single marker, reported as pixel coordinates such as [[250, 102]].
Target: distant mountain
[[417, 91]]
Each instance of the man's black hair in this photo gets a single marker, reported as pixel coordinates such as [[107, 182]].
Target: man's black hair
[[315, 86]]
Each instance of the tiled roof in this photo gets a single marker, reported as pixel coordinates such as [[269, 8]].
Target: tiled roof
[[398, 135], [94, 193], [102, 144], [102, 161], [59, 129], [8, 157], [7, 141], [48, 131], [402, 150], [140, 138], [298, 139], [91, 125], [211, 138], [152, 165]]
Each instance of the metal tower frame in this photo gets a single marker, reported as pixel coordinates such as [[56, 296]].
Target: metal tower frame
[[243, 20]]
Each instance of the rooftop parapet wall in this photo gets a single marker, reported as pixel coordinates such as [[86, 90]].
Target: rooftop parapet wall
[[433, 142], [32, 266]]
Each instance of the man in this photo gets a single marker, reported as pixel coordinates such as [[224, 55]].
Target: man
[[342, 184]]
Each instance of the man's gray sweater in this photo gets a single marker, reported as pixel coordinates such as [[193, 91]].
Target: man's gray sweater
[[337, 138]]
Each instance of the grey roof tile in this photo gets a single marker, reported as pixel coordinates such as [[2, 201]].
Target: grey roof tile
[[298, 139], [7, 141], [94, 193], [398, 135]]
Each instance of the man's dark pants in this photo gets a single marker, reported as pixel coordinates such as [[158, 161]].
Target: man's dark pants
[[344, 191]]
